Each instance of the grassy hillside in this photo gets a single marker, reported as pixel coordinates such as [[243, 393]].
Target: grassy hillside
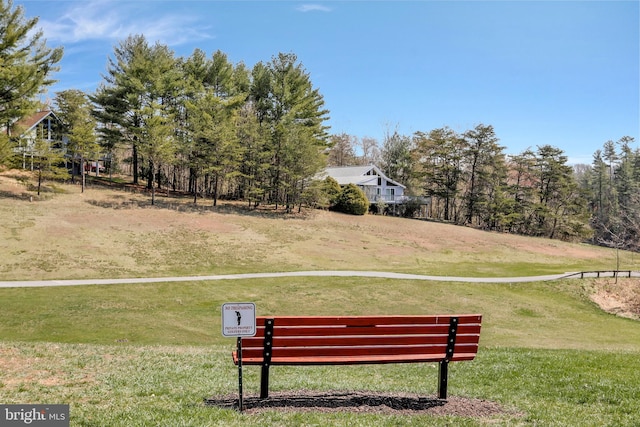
[[149, 354], [106, 233]]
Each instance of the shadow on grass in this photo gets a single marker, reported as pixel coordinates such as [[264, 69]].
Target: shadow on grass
[[15, 195], [331, 402], [224, 208], [365, 402], [183, 202]]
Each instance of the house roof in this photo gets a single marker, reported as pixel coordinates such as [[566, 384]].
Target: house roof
[[28, 123], [359, 175]]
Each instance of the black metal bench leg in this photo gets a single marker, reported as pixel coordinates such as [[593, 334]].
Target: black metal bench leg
[[266, 358], [264, 381], [443, 368], [443, 372]]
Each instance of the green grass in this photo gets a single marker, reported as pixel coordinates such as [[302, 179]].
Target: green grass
[[149, 354], [160, 385], [530, 315]]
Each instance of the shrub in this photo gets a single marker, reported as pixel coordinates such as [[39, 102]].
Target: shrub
[[332, 190], [322, 194], [410, 208], [352, 200], [315, 196]]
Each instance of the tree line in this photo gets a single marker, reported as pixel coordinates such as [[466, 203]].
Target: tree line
[[206, 126], [612, 182], [471, 181]]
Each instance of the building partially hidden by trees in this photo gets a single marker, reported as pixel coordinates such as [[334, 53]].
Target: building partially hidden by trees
[[376, 185], [30, 131]]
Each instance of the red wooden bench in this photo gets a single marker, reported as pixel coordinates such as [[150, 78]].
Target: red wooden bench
[[348, 340]]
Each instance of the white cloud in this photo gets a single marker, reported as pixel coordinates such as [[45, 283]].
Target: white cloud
[[313, 8], [100, 20]]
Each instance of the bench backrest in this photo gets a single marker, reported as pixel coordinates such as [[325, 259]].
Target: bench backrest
[[362, 339]]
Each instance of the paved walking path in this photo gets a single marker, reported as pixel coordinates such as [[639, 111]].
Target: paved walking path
[[381, 274]]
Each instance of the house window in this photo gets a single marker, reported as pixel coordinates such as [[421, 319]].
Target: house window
[[379, 181], [390, 193]]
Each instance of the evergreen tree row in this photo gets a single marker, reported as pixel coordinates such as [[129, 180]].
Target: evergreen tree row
[[210, 127], [471, 181], [612, 182]]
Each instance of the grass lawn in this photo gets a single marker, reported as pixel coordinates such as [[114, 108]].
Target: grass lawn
[[150, 354], [530, 315], [166, 385]]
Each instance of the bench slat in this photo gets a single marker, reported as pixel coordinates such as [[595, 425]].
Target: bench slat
[[355, 360], [434, 351], [367, 320], [369, 340], [358, 340], [420, 329]]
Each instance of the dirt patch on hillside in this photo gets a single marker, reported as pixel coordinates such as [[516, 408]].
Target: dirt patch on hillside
[[364, 402], [621, 298], [19, 371]]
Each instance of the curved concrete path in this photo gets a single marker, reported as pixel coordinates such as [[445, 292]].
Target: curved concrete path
[[379, 274]]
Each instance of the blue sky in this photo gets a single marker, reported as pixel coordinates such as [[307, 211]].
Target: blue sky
[[564, 73]]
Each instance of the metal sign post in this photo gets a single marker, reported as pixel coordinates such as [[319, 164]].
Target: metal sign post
[[240, 406], [239, 320]]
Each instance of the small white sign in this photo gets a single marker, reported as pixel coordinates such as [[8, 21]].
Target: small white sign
[[238, 319]]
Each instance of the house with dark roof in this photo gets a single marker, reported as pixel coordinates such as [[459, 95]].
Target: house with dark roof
[[375, 184], [43, 125]]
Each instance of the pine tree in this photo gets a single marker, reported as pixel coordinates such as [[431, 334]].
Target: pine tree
[[48, 162], [438, 162], [120, 97], [615, 195], [26, 65], [482, 156], [522, 191], [292, 113], [255, 156], [560, 210], [213, 126], [396, 157], [74, 110], [155, 138], [140, 79]]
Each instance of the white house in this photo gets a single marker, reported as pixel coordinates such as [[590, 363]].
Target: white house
[[371, 180]]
